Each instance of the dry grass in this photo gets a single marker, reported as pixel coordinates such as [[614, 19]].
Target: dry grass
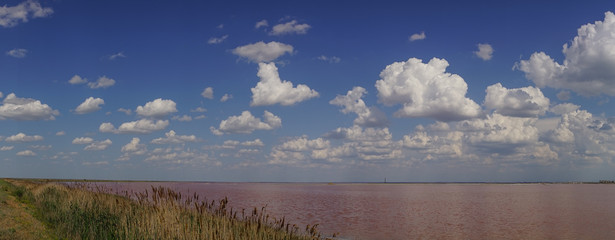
[[81, 211], [16, 220]]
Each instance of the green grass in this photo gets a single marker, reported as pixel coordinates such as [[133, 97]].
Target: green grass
[[77, 212]]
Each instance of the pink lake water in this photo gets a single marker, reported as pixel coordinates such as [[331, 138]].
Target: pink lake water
[[423, 211]]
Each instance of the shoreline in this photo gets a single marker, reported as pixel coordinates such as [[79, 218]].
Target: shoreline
[[315, 183]]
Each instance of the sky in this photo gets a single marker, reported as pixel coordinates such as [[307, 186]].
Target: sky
[[308, 91]]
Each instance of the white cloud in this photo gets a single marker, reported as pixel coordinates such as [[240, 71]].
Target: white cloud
[[272, 90], [77, 80], [254, 143], [564, 108], [172, 138], [247, 123], [563, 95], [134, 147], [290, 28], [41, 147], [98, 146], [426, 90], [6, 148], [332, 59], [90, 104], [263, 52], [11, 16], [117, 55], [17, 53], [143, 126], [125, 111], [208, 93], [583, 138], [102, 82], [16, 108], [83, 140], [157, 109], [499, 130], [214, 40], [352, 102], [21, 137], [262, 23], [183, 118], [417, 36], [226, 97], [199, 109], [26, 153], [60, 133], [485, 51], [1, 95], [516, 102], [588, 65]]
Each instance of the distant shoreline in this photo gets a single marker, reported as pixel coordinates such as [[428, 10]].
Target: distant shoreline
[[329, 183]]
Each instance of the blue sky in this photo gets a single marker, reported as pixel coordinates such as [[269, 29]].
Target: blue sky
[[307, 91]]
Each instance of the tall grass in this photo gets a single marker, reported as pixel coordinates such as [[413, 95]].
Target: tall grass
[[77, 212]]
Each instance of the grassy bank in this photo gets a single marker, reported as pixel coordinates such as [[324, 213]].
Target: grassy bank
[[16, 215], [77, 212]]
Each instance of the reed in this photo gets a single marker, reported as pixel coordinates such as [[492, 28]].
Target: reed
[[81, 211]]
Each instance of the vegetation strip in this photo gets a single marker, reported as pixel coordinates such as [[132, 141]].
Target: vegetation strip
[[80, 211]]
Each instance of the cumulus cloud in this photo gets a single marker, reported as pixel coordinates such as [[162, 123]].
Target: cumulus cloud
[[332, 59], [60, 133], [102, 82], [208, 93], [77, 80], [272, 90], [563, 95], [83, 140], [516, 102], [199, 109], [263, 52], [563, 108], [226, 97], [157, 109], [21, 137], [426, 90], [11, 16], [217, 40], [6, 148], [417, 36], [485, 51], [117, 55], [246, 123], [17, 53], [580, 136], [125, 111], [262, 23], [183, 118], [352, 102], [90, 104], [16, 108], [358, 146], [134, 147], [499, 130], [26, 153], [98, 145], [143, 126], [588, 65], [172, 138], [254, 143], [291, 27]]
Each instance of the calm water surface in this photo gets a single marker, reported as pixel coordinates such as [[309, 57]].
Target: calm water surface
[[424, 211]]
